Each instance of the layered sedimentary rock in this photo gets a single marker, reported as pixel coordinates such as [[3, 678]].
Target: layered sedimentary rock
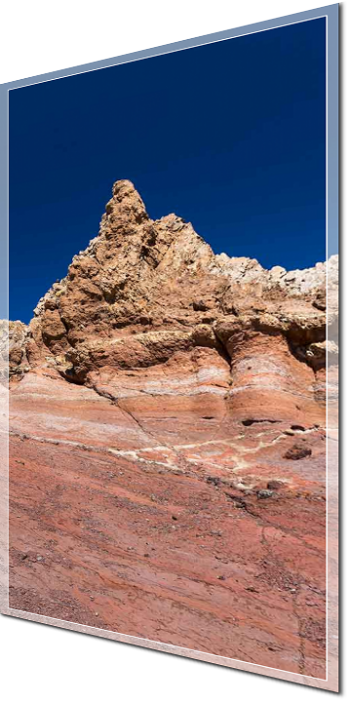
[[168, 459]]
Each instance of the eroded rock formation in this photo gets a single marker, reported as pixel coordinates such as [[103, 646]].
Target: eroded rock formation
[[168, 444]]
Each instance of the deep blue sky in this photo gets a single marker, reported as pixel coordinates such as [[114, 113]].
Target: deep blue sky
[[230, 136]]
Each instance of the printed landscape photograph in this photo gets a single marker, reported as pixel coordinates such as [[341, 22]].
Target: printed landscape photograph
[[172, 354]]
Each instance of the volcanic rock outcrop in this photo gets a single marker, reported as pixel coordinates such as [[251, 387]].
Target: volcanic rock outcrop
[[168, 463], [147, 293]]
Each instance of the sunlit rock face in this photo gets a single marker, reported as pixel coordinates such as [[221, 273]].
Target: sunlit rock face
[[168, 444]]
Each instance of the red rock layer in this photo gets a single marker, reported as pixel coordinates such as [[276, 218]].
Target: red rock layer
[[168, 453]]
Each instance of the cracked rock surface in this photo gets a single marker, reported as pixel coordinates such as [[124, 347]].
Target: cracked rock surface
[[168, 444]]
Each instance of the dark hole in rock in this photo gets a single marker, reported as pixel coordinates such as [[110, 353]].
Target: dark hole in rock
[[251, 421]]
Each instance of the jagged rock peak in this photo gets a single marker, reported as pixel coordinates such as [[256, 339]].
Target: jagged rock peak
[[126, 202], [159, 285], [124, 190]]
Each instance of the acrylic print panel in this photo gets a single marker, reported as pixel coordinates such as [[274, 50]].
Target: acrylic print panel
[[172, 377]]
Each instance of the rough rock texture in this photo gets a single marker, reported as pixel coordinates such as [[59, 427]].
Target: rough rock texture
[[143, 291], [13, 354], [168, 475]]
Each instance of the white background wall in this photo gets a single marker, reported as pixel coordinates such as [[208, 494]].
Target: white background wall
[[40, 663], [39, 36]]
